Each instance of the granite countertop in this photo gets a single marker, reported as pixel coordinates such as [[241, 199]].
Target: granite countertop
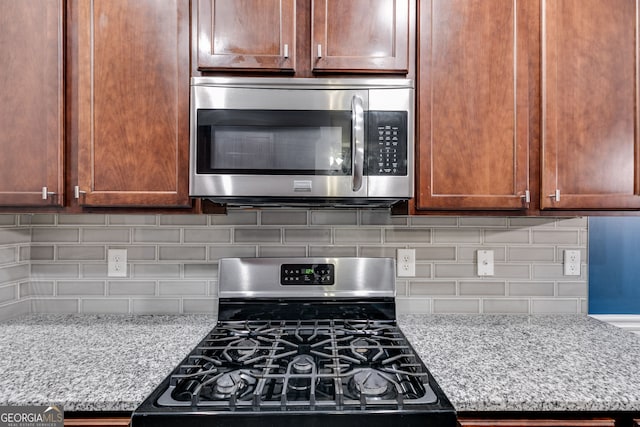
[[482, 362]]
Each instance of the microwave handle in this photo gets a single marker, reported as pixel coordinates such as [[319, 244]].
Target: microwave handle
[[357, 141]]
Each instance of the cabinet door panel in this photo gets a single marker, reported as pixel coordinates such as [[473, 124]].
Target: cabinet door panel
[[473, 104], [590, 98], [31, 102], [133, 83], [246, 34], [360, 35]]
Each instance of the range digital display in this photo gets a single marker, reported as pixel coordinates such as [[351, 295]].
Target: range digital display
[[307, 274]]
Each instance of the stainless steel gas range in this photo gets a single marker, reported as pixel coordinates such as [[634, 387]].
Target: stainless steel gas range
[[301, 341]]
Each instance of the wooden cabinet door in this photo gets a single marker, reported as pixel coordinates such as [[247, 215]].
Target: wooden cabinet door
[[590, 148], [473, 103], [132, 102], [360, 36], [246, 34], [31, 103]]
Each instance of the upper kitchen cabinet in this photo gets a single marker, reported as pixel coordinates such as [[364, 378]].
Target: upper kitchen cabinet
[[303, 37], [31, 103], [590, 142], [130, 102], [360, 36], [246, 34], [474, 88]]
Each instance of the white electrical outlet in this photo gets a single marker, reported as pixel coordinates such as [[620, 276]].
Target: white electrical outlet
[[406, 262], [485, 263], [117, 263], [571, 263]]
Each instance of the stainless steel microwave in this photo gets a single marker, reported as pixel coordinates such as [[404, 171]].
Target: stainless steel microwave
[[288, 141]]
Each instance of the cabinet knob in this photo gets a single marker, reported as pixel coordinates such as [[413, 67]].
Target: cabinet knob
[[555, 195], [77, 192], [285, 51], [319, 51]]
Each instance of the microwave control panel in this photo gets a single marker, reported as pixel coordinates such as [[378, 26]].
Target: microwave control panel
[[387, 143]]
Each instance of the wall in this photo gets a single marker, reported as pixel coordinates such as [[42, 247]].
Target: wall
[[15, 239], [173, 258], [614, 266]]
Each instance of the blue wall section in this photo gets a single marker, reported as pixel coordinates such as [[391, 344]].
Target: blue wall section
[[614, 265]]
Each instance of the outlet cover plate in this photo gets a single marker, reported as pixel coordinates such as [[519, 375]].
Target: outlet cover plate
[[117, 263], [485, 263], [406, 262], [571, 262]]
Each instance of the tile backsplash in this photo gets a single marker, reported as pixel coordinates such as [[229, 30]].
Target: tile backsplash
[[57, 263]]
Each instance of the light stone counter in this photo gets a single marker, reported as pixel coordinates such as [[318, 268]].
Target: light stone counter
[[482, 362]]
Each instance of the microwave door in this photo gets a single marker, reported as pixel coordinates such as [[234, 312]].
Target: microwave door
[[357, 142]]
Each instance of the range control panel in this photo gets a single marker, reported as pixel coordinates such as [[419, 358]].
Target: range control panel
[[307, 274]]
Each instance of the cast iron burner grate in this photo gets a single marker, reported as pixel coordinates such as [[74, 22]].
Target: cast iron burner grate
[[301, 365]]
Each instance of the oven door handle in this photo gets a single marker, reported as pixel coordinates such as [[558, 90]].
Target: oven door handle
[[357, 141]]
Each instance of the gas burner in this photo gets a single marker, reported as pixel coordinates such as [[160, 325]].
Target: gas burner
[[234, 383], [301, 365], [241, 350], [371, 383], [366, 350]]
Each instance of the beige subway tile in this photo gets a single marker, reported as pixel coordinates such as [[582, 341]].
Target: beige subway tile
[[155, 306], [36, 288], [433, 221], [413, 305], [207, 235], [307, 235], [401, 288], [130, 287], [8, 220], [555, 272], [512, 271], [457, 235], [506, 236], [554, 306], [334, 217], [423, 271], [556, 237], [529, 221], [24, 253], [531, 289], [282, 251], [456, 306], [409, 235], [14, 273], [8, 293], [41, 253], [578, 222], [183, 287], [13, 310], [106, 235], [137, 253], [231, 251], [104, 306], [53, 271], [257, 235], [7, 255], [53, 235], [182, 253], [436, 253], [183, 220], [80, 288], [156, 235], [54, 305], [133, 220], [235, 217], [283, 217], [452, 271], [482, 288], [572, 289], [381, 217], [483, 221], [159, 271], [81, 253], [358, 235], [95, 270], [432, 288], [196, 271], [88, 219], [333, 251], [505, 306], [200, 306], [43, 219], [532, 253], [378, 251]]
